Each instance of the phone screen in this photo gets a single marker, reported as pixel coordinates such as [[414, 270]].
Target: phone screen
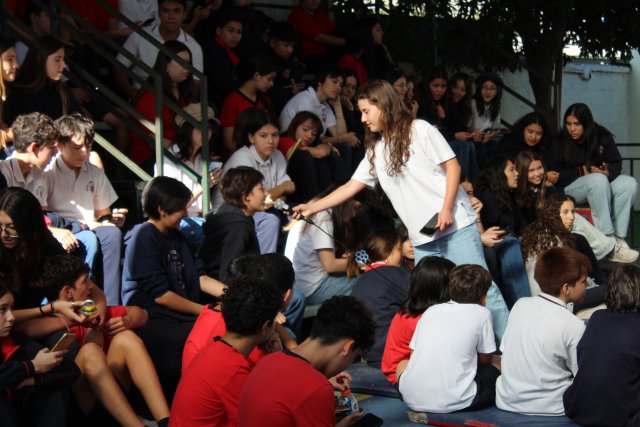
[[64, 342]]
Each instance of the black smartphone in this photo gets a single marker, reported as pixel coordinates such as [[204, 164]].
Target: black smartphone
[[430, 227], [369, 420], [506, 231]]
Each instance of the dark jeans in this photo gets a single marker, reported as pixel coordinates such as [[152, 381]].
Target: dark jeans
[[312, 175], [486, 377]]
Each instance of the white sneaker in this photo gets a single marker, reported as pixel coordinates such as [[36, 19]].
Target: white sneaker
[[622, 254], [621, 241]]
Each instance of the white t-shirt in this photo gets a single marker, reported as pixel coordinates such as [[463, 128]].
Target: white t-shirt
[[171, 170], [539, 358], [78, 197], [34, 182], [274, 169], [148, 53], [307, 100], [303, 242], [440, 375], [483, 121], [417, 193]]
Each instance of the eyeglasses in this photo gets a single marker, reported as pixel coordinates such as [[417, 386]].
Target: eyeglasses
[[10, 231], [489, 88]]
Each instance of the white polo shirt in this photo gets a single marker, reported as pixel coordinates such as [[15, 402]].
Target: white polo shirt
[[274, 169], [417, 193], [148, 53], [138, 11], [307, 100], [539, 359], [303, 242], [173, 171], [440, 375], [80, 197], [34, 182]]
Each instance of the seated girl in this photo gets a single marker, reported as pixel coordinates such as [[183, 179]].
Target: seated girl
[[429, 285], [320, 266], [188, 149], [552, 229], [160, 275], [257, 130], [382, 287], [588, 165], [485, 116], [111, 357], [255, 77], [312, 164], [530, 133]]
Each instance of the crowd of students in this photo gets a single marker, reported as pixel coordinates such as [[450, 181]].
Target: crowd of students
[[441, 247]]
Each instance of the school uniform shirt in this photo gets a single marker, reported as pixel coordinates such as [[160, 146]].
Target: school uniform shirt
[[148, 53], [417, 192], [209, 390], [235, 103], [440, 374], [483, 121], [172, 170], [34, 182], [382, 291], [78, 197], [285, 390], [396, 348], [303, 242], [538, 356], [307, 100], [309, 27], [274, 169], [606, 390]]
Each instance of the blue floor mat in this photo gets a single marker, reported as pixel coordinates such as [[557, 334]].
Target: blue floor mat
[[367, 380], [394, 413]]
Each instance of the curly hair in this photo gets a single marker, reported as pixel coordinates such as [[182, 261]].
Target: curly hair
[[528, 194], [60, 271], [396, 130], [493, 179], [248, 304], [33, 127], [547, 231]]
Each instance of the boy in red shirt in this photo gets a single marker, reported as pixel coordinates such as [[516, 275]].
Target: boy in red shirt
[[290, 388], [209, 390]]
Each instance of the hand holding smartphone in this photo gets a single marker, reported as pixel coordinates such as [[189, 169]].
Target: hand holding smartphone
[[429, 228]]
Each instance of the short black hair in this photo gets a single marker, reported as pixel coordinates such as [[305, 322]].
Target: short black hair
[[241, 266], [274, 268], [344, 317], [228, 16], [165, 193], [282, 31], [239, 182], [325, 73], [468, 283], [248, 304], [75, 124], [33, 127], [182, 2], [60, 271]]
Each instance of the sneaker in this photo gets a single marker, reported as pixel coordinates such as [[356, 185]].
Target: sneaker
[[622, 254], [621, 241]]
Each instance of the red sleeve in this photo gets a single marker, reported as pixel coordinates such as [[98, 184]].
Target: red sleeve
[[284, 144], [231, 396], [305, 25], [209, 324], [229, 112], [319, 410]]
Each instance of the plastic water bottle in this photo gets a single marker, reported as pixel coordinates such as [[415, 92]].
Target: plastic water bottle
[[347, 403]]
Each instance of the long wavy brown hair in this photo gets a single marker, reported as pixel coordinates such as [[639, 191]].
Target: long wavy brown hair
[[396, 128], [527, 193], [547, 231]]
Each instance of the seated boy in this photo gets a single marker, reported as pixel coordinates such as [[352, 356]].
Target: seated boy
[[230, 232], [209, 389], [278, 271], [451, 366], [290, 388], [33, 380], [34, 138], [109, 357], [79, 190], [539, 357]]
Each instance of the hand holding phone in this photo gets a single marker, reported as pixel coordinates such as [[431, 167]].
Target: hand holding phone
[[46, 360], [429, 228]]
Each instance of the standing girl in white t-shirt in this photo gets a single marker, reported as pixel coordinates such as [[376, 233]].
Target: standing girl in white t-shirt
[[421, 176]]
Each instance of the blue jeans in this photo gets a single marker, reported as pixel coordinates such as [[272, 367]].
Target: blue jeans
[[331, 286], [294, 312], [514, 273], [109, 241], [464, 246], [610, 202]]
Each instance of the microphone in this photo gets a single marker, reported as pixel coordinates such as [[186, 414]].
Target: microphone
[[282, 206]]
